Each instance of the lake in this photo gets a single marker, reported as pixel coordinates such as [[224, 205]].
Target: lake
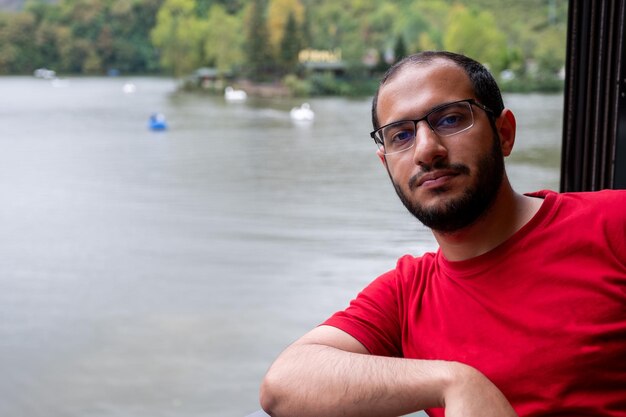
[[159, 273]]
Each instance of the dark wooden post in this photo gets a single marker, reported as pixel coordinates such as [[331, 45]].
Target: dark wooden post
[[594, 125]]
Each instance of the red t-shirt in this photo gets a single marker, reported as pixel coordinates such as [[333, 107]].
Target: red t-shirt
[[543, 315]]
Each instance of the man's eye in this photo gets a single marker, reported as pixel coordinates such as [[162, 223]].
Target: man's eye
[[450, 120], [402, 136]]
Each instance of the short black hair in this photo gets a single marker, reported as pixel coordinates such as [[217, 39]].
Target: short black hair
[[485, 87]]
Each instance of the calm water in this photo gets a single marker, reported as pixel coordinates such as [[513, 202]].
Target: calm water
[[158, 274]]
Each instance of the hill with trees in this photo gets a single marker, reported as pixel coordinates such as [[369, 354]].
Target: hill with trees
[[261, 39]]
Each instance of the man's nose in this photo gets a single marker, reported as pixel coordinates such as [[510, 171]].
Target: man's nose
[[428, 146]]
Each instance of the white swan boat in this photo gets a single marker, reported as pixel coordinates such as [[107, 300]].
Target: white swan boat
[[303, 113]]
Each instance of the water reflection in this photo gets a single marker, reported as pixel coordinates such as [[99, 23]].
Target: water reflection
[[158, 273]]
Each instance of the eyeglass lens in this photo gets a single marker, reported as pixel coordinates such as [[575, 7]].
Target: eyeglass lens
[[445, 121]]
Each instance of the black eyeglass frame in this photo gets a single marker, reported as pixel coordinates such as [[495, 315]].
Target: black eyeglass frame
[[381, 145]]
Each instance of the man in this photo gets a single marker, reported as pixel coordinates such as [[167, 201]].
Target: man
[[521, 311]]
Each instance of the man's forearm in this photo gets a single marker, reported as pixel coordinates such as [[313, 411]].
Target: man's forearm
[[316, 380]]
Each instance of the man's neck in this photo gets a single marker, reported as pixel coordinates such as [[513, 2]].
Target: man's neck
[[508, 214]]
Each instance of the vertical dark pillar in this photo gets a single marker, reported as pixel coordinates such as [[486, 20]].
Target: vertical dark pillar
[[594, 125], [619, 178]]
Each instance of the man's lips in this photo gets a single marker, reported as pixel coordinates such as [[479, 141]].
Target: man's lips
[[432, 177]]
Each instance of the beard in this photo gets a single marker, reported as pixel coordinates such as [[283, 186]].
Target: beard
[[457, 213]]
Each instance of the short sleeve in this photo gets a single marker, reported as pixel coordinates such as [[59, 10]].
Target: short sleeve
[[373, 317]]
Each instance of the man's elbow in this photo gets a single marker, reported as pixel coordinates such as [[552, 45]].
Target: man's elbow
[[268, 394]]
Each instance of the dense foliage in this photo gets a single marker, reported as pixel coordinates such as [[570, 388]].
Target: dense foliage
[[260, 39]]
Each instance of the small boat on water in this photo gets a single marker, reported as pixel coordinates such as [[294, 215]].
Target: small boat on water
[[129, 88], [157, 122], [45, 73], [303, 113], [234, 96]]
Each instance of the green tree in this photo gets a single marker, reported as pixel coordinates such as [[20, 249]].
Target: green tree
[[550, 52], [178, 35], [45, 38], [92, 63], [75, 53], [290, 45], [399, 50], [223, 43], [85, 20], [67, 54], [305, 29], [84, 17], [382, 24], [425, 24], [91, 36], [344, 25], [475, 33], [18, 52], [259, 59], [133, 47], [232, 7], [278, 13]]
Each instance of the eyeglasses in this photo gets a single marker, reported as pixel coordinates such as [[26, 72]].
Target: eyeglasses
[[445, 120]]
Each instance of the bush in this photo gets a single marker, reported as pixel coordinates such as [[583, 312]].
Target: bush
[[541, 83], [328, 85], [325, 85], [298, 87]]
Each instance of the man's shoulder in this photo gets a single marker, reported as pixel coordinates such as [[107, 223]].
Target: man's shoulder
[[409, 266], [615, 198], [427, 258]]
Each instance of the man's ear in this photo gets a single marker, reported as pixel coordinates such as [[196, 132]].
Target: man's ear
[[381, 156], [506, 125]]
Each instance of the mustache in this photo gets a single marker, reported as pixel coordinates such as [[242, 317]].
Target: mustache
[[458, 169]]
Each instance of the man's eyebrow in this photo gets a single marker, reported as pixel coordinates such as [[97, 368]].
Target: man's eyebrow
[[429, 110]]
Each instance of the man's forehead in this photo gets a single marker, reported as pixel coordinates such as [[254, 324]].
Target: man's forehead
[[417, 88], [431, 83], [439, 69]]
